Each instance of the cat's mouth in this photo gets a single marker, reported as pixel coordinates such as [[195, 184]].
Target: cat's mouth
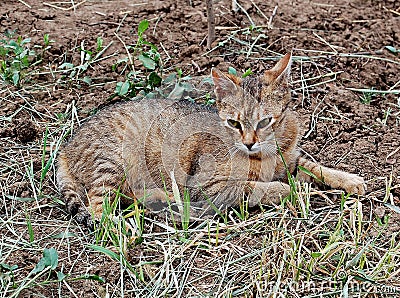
[[251, 148], [256, 148]]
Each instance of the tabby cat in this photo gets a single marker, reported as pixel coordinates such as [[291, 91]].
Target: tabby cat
[[239, 150]]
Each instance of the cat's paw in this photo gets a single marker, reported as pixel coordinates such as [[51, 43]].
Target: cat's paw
[[268, 193], [354, 184]]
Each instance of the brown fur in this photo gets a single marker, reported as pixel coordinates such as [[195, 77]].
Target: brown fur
[[220, 155]]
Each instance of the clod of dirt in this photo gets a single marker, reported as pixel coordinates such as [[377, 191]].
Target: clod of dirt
[[24, 129], [191, 51]]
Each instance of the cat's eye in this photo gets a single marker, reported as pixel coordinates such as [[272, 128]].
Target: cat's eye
[[264, 123], [234, 124]]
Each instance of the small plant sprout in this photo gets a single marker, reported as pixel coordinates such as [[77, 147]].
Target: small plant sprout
[[16, 58], [366, 97], [149, 77], [243, 212], [47, 264]]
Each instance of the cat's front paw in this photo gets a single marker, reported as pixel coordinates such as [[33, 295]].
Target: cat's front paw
[[354, 184]]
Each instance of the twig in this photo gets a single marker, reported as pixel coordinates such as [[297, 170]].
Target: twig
[[211, 23], [120, 24], [374, 91], [197, 66], [126, 49], [392, 11], [259, 10], [62, 8], [392, 153], [327, 43], [165, 51], [247, 15], [24, 3], [271, 18], [253, 44]]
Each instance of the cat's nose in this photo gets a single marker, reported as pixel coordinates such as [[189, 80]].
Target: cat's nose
[[249, 146]]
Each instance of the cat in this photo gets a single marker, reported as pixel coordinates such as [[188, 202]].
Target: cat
[[240, 149]]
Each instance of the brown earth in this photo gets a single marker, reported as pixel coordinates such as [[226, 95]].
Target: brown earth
[[336, 45]]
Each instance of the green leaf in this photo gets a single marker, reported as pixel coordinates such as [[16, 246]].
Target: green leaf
[[392, 49], [87, 80], [315, 255], [147, 61], [26, 40], [12, 44], [393, 207], [118, 87], [208, 80], [46, 39], [20, 199], [105, 251], [187, 86], [124, 88], [63, 235], [170, 78], [51, 256], [15, 78], [154, 79], [151, 95], [99, 43], [49, 259], [39, 266], [60, 276], [153, 47], [8, 267], [66, 66], [90, 277], [143, 25], [232, 71], [247, 73]]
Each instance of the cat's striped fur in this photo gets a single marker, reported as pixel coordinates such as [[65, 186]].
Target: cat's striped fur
[[220, 155]]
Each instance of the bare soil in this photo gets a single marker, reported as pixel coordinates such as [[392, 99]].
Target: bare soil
[[337, 45]]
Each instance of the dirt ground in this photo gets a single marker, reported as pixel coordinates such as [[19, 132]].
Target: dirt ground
[[338, 46]]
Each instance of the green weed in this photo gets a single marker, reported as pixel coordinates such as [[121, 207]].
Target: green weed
[[113, 229], [243, 213], [29, 226], [148, 77], [366, 97], [17, 58], [47, 264]]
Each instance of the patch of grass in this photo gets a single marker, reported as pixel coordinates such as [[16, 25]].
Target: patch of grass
[[18, 59], [74, 73], [366, 97]]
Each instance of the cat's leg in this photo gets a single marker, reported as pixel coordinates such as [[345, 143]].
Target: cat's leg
[[155, 199], [351, 183], [71, 192], [163, 203], [232, 194], [267, 193], [85, 202]]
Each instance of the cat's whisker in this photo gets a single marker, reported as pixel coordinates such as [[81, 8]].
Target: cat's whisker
[[233, 151]]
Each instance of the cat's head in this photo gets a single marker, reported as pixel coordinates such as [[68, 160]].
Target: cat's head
[[254, 106]]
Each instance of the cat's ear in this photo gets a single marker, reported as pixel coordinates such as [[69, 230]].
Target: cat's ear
[[280, 73], [225, 85]]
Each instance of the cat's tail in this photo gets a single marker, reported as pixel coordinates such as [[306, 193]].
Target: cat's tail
[[72, 195]]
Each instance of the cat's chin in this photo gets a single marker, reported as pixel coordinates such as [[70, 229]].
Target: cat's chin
[[253, 151]]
